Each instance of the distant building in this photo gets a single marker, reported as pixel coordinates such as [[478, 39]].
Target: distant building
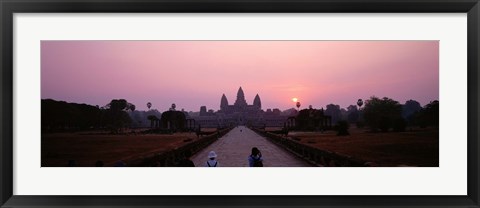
[[240, 113], [240, 105], [203, 111]]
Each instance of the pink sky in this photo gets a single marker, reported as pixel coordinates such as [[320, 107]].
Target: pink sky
[[196, 73]]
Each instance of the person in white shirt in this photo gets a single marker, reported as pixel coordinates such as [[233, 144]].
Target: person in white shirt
[[212, 162]]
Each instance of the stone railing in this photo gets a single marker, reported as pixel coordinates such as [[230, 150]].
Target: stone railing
[[172, 157], [314, 156]]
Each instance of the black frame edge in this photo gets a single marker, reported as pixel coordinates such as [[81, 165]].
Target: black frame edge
[[242, 6], [473, 103], [240, 201], [6, 106], [8, 7]]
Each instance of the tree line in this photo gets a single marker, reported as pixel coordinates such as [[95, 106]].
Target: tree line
[[116, 116], [60, 116], [379, 114]]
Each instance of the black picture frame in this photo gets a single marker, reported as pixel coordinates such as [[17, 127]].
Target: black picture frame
[[9, 7]]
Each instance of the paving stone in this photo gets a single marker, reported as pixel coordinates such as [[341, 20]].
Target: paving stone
[[234, 148]]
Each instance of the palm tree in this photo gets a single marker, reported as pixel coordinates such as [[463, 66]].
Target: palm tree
[[149, 105]]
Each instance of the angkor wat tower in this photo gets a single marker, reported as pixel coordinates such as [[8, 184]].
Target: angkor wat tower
[[240, 106]]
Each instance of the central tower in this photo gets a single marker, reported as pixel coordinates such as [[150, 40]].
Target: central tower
[[240, 102]]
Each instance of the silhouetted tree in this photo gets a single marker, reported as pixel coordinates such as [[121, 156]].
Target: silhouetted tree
[[309, 119], [343, 114], [380, 113], [429, 115], [173, 107], [173, 120], [116, 114], [409, 111], [333, 111], [62, 116], [352, 114], [302, 119]]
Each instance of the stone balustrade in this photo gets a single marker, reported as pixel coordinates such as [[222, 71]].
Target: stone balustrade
[[311, 154], [172, 157]]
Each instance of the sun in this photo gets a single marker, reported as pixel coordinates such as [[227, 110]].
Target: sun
[[295, 99]]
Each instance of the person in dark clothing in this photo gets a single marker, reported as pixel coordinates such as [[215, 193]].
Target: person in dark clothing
[[255, 159], [186, 162]]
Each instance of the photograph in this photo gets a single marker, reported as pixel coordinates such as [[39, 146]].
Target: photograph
[[200, 103], [239, 103]]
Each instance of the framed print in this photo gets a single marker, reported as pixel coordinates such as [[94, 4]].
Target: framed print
[[124, 103]]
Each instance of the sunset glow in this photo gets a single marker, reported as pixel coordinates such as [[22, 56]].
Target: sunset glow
[[192, 74]]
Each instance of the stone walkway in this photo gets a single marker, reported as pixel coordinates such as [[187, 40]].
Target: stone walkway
[[234, 148]]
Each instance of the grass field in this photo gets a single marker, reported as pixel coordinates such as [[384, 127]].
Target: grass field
[[412, 148], [58, 149]]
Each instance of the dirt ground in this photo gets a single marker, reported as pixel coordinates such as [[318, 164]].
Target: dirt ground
[[417, 147], [87, 149]]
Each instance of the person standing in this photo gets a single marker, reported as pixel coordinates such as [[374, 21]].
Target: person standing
[[255, 159], [212, 162]]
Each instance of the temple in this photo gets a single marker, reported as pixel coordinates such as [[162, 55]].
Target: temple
[[240, 113], [240, 106]]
